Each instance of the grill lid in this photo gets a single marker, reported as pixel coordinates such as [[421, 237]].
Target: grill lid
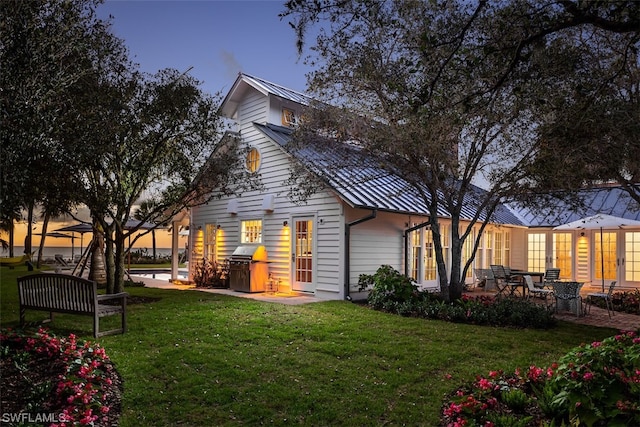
[[249, 253]]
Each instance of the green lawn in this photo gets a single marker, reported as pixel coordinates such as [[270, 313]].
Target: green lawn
[[194, 358]]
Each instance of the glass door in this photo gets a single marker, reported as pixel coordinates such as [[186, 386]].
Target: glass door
[[302, 255], [605, 259], [562, 254], [631, 258]]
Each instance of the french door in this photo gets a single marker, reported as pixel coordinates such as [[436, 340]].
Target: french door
[[302, 259]]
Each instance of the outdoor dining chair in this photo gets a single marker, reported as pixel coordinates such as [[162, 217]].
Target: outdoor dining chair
[[568, 296], [505, 285], [546, 294], [484, 278], [606, 296], [551, 275]]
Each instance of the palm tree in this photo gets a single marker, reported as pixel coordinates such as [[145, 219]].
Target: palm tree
[[142, 214]]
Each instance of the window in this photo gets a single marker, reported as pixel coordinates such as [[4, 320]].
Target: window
[[210, 242], [253, 160], [288, 117], [498, 247], [251, 231], [536, 251]]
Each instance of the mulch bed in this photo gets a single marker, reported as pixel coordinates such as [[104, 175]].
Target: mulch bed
[[31, 388], [24, 390]]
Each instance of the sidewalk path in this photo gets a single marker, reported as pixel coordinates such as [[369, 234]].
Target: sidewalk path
[[283, 298]]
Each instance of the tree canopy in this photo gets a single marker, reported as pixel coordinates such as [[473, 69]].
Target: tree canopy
[[85, 126], [452, 94]]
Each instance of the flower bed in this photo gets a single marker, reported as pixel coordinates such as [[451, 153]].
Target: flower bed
[[593, 385], [396, 293], [62, 380]]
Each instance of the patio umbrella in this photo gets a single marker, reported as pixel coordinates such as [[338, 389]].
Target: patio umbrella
[[599, 222], [57, 235], [78, 228]]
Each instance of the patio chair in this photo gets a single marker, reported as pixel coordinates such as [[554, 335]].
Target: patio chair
[[551, 275], [568, 296], [482, 277], [505, 285], [546, 294], [606, 296]]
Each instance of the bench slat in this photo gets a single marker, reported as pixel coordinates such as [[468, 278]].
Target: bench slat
[[63, 293]]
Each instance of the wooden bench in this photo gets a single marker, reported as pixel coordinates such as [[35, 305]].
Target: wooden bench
[[62, 293]]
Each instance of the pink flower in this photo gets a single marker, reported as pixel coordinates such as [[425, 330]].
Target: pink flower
[[484, 384], [588, 376]]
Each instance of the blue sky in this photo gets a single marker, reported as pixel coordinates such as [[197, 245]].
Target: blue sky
[[219, 38]]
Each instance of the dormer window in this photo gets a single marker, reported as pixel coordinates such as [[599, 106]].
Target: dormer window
[[288, 117], [253, 160]]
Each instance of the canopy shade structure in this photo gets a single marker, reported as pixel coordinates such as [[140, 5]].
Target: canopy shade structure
[[78, 228], [599, 222], [59, 235]]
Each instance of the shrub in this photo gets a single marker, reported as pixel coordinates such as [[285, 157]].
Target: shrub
[[209, 274], [395, 293], [601, 381], [592, 385], [389, 290], [79, 392], [626, 301]]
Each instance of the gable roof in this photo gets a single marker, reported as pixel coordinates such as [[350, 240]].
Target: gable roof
[[245, 81], [364, 184], [361, 182]]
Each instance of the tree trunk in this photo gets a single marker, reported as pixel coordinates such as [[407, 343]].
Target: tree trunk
[[98, 271], [29, 237], [111, 267], [119, 262], [153, 238], [12, 236], [45, 226]]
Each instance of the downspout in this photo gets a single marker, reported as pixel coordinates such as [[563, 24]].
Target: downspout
[[406, 244], [347, 250]]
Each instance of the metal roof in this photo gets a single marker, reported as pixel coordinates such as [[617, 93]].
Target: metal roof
[[244, 81], [267, 87], [610, 200], [361, 182]]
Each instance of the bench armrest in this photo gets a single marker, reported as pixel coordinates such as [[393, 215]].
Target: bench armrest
[[106, 297]]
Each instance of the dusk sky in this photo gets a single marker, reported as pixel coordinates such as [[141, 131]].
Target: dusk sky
[[218, 38]]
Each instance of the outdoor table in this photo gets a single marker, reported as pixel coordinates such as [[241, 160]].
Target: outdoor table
[[568, 296], [520, 274]]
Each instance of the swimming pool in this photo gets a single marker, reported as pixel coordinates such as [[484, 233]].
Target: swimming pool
[[158, 273]]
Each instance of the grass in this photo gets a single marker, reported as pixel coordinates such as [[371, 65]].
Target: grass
[[196, 358]]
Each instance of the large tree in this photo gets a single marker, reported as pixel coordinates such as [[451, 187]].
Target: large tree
[[593, 134], [79, 116], [45, 49], [157, 134], [448, 93]]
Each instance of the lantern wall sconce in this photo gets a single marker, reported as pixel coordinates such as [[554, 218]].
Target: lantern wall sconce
[[285, 223]]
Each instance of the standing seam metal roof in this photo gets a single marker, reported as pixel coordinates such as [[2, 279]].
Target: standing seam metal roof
[[275, 89], [361, 183]]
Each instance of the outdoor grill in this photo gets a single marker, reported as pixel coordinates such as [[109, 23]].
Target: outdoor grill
[[248, 269]]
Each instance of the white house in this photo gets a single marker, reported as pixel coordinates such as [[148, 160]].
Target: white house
[[353, 226]]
